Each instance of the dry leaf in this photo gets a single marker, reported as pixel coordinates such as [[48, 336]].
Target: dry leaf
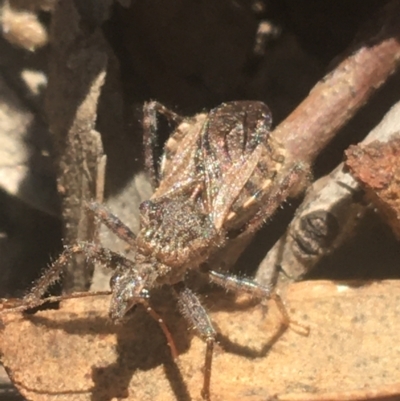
[[352, 351]]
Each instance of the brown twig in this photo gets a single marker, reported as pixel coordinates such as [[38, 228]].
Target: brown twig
[[340, 94]]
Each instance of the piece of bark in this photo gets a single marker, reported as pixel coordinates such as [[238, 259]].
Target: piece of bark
[[74, 353], [328, 215], [377, 167], [77, 71]]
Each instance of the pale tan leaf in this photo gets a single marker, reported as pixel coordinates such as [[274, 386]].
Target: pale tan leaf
[[352, 351]]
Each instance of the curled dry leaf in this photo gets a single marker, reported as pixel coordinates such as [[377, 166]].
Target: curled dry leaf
[[352, 351]]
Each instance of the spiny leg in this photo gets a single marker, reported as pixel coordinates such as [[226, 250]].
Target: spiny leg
[[111, 221], [52, 275], [14, 305], [251, 287], [150, 127], [195, 313]]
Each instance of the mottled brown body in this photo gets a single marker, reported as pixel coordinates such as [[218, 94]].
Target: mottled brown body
[[230, 155], [214, 174]]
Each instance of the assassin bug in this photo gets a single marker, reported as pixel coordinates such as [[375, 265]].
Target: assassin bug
[[220, 176]]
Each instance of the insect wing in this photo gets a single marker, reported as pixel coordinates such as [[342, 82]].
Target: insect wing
[[233, 141], [232, 132], [178, 164]]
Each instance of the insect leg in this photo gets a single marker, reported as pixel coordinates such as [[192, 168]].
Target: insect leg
[[112, 222], [17, 305], [52, 275], [195, 313], [249, 286], [241, 284], [150, 127]]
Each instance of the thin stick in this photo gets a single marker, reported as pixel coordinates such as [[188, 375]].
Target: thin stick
[[341, 93]]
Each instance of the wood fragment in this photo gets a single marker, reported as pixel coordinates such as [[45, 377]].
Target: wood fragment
[[77, 71], [376, 167]]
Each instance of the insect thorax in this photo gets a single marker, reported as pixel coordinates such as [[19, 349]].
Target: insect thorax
[[177, 233]]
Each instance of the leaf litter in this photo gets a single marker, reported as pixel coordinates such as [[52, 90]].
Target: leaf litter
[[351, 352]]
